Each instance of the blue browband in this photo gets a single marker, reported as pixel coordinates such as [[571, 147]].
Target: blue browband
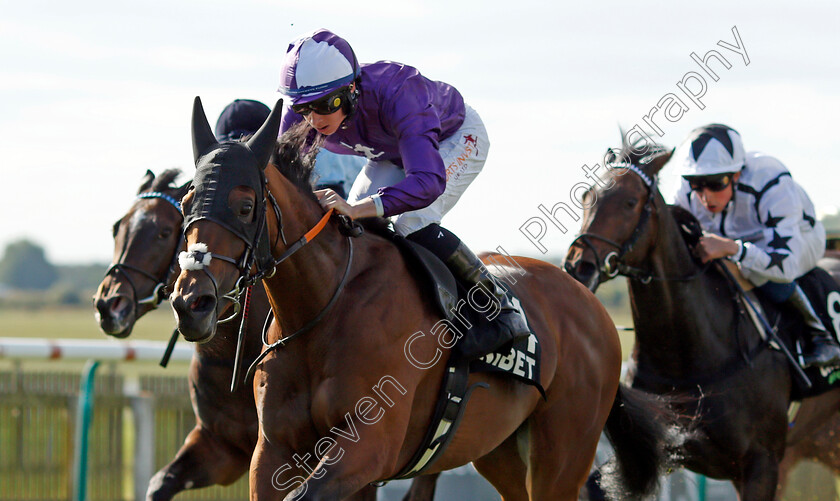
[[647, 180], [157, 194]]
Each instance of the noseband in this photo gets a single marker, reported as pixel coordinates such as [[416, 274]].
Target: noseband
[[160, 290]]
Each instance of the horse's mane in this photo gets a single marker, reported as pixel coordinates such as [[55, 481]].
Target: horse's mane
[[688, 224], [294, 155], [165, 181]]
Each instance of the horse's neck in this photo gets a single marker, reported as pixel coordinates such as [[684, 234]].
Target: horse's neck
[[679, 318], [304, 283]]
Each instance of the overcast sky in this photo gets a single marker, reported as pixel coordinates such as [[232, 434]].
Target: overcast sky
[[93, 93]]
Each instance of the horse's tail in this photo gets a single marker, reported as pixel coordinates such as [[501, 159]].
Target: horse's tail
[[641, 428]]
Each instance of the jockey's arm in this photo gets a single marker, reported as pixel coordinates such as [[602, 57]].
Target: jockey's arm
[[417, 128], [713, 246], [425, 176], [783, 253], [366, 207]]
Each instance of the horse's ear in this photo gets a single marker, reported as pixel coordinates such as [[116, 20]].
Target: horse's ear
[[202, 134], [187, 199], [146, 183], [658, 161], [623, 133], [264, 140], [182, 190]]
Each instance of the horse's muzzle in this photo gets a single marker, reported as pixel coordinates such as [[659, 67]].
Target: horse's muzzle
[[585, 272], [115, 315], [196, 316]]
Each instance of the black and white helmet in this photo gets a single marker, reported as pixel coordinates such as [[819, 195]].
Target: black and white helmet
[[711, 149]]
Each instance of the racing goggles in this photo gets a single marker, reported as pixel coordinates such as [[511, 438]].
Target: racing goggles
[[326, 105], [715, 183]]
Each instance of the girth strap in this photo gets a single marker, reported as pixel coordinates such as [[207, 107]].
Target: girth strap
[[449, 411]]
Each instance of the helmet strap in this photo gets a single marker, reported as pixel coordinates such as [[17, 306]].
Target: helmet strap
[[351, 98]]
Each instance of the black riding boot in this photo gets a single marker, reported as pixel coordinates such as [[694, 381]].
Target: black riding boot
[[466, 266], [826, 352]]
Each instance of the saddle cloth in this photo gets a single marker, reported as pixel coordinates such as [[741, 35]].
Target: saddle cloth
[[824, 294], [520, 361]]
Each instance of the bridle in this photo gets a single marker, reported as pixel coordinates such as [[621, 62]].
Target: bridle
[[161, 288], [266, 266], [257, 255], [613, 263], [196, 257]]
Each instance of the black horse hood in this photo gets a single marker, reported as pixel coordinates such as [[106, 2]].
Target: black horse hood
[[218, 172], [221, 167]]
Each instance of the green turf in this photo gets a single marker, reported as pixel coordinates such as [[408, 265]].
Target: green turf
[[79, 323]]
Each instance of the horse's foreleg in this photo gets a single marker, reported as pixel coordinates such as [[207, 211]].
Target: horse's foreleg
[[200, 462], [759, 479], [362, 455], [271, 477], [422, 488]]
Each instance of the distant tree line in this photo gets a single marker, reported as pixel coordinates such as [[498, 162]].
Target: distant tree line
[[28, 278], [24, 266]]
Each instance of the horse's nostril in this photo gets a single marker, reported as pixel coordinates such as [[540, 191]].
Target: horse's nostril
[[117, 304], [203, 304], [585, 268], [110, 307], [584, 271]]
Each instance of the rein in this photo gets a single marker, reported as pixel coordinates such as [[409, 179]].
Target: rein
[[309, 325]]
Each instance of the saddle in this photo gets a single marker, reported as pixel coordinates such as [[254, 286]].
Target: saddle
[[824, 295], [462, 324]]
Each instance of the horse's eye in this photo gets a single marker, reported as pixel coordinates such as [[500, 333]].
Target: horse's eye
[[630, 203], [246, 208], [165, 233]]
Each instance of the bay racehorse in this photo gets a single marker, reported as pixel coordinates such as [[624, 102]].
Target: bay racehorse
[[345, 399], [691, 339], [218, 450]]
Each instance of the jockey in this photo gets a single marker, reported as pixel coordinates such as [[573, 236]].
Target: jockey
[[240, 118], [423, 146], [754, 214]]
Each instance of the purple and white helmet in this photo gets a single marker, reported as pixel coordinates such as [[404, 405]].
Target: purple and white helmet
[[710, 150], [315, 65]]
